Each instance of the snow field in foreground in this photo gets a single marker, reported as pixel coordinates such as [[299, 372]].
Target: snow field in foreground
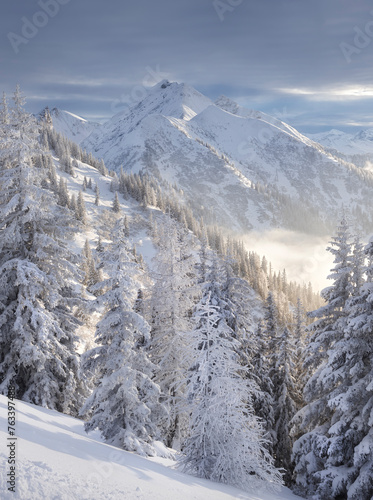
[[55, 459]]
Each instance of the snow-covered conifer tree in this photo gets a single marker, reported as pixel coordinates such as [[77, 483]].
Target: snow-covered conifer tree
[[124, 405], [271, 322], [263, 401], [357, 266], [37, 273], [170, 305], [97, 193], [73, 203], [126, 226], [354, 404], [322, 453], [81, 212], [287, 401], [102, 169], [299, 336], [226, 438], [269, 340], [91, 275], [4, 114], [116, 203], [63, 195]]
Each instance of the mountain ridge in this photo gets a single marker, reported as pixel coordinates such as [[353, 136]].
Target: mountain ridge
[[247, 169], [251, 170]]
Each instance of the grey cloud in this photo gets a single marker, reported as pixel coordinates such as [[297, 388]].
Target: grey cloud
[[258, 48]]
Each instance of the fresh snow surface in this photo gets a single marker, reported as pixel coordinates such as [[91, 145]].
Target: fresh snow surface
[[57, 460]]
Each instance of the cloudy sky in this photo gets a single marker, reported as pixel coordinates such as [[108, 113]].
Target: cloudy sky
[[306, 62]]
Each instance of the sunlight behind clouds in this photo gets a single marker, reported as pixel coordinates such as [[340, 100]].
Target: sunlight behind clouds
[[332, 94]]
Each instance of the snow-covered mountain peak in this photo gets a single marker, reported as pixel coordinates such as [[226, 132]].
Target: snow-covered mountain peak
[[168, 99], [360, 143], [162, 84], [178, 100], [335, 132], [72, 126], [227, 104], [364, 135], [56, 113], [219, 153]]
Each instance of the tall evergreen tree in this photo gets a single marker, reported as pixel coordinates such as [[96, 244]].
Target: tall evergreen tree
[[81, 212], [225, 442], [286, 399], [116, 204], [271, 343], [170, 304], [37, 299], [97, 197], [321, 452], [91, 275], [124, 405], [354, 404]]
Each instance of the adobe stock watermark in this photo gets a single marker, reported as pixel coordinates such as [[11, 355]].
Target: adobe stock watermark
[[138, 92], [223, 6], [361, 40], [30, 27]]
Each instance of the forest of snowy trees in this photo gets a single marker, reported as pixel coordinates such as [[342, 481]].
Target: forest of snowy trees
[[249, 377]]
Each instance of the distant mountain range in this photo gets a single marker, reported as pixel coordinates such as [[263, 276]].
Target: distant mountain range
[[349, 144], [241, 168]]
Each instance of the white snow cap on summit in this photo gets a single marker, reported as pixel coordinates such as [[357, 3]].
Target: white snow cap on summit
[[178, 100], [72, 126]]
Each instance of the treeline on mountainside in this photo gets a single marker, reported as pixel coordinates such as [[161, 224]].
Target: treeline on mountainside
[[298, 214], [210, 352]]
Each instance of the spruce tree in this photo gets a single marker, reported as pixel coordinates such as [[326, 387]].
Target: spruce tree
[[116, 203], [170, 305], [37, 298], [322, 453], [91, 275], [124, 405], [226, 439], [81, 212], [286, 399], [354, 405], [97, 193], [63, 195]]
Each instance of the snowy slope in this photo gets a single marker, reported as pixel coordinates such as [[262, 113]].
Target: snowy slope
[[72, 126], [220, 154], [57, 460], [129, 208]]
